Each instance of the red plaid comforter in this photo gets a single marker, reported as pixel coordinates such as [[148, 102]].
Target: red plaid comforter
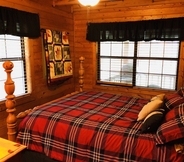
[[92, 126]]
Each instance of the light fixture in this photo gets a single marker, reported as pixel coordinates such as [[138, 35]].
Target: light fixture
[[88, 2]]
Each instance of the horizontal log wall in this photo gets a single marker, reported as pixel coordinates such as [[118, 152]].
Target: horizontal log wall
[[51, 18], [120, 11], [74, 20]]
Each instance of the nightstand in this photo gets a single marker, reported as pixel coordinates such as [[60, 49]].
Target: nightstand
[[9, 149]]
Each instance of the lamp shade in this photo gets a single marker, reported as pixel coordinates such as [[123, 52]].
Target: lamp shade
[[88, 2]]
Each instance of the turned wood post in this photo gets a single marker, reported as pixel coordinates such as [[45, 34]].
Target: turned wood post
[[10, 103], [81, 73]]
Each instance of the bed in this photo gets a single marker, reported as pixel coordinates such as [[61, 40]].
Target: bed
[[88, 126]]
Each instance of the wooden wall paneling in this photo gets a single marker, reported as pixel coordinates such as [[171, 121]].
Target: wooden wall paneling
[[181, 68], [117, 13], [40, 92]]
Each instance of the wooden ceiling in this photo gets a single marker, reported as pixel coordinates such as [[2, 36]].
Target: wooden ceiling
[[115, 2], [110, 4], [73, 2]]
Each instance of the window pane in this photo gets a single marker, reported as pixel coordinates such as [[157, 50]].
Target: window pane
[[105, 64], [141, 79], [171, 49], [169, 82], [105, 49], [2, 48], [18, 70], [12, 49], [104, 75], [154, 81], [117, 49], [155, 66], [142, 66], [170, 67], [166, 49]]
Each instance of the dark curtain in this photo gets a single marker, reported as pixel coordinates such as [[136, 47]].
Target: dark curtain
[[162, 29], [19, 23]]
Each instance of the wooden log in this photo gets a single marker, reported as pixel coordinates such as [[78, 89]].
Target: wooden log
[[10, 101], [81, 74]]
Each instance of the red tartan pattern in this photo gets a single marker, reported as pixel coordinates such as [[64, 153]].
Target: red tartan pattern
[[173, 127], [93, 126]]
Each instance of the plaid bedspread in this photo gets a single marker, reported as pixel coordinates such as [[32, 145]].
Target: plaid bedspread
[[92, 127]]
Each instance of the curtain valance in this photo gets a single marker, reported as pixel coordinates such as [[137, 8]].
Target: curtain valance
[[162, 29], [19, 23]]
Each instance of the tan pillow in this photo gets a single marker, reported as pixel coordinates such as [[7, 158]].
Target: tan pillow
[[160, 96], [149, 107]]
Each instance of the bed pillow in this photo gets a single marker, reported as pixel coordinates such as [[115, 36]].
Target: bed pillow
[[160, 96], [181, 92], [152, 121], [173, 100], [149, 107], [174, 113], [173, 127]]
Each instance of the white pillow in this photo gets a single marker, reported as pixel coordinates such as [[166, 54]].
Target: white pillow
[[149, 107], [160, 96]]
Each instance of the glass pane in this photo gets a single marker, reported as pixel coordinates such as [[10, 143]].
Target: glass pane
[[117, 48], [142, 66], [2, 73], [154, 81], [170, 67], [105, 63], [105, 48], [156, 49], [104, 75], [18, 70], [169, 82], [171, 49], [19, 83], [128, 49], [141, 79], [143, 49], [2, 49], [167, 49], [3, 93], [116, 64], [156, 66], [114, 77], [13, 48]]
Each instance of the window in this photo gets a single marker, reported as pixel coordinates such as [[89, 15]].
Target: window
[[144, 63], [12, 48]]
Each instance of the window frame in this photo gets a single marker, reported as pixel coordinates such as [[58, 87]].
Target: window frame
[[135, 58], [23, 59]]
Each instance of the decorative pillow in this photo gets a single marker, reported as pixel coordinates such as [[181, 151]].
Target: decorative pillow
[[173, 100], [181, 92], [160, 96], [175, 113], [149, 107], [152, 121], [173, 129]]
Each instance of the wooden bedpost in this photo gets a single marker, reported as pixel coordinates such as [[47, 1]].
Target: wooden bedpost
[[81, 73], [10, 101]]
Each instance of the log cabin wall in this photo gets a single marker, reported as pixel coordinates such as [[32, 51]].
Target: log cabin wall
[[51, 18], [120, 11], [74, 19]]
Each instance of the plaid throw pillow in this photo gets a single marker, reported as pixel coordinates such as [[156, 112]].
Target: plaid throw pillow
[[173, 100], [173, 127]]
